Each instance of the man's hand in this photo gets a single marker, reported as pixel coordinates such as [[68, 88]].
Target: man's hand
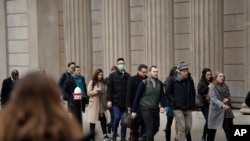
[[162, 110], [109, 104], [133, 115]]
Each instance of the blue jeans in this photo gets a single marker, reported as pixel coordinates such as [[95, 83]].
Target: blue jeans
[[117, 111]]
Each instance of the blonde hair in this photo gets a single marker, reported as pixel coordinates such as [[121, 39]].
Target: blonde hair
[[34, 113], [214, 82]]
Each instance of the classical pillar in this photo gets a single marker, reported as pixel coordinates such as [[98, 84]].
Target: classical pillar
[[116, 32], [3, 41], [77, 34], [248, 45], [245, 109], [158, 18], [206, 35], [43, 36]]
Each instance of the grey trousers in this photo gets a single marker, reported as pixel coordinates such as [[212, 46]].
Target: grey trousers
[[184, 120]]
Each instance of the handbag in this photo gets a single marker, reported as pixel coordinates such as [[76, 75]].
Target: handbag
[[199, 101], [126, 120]]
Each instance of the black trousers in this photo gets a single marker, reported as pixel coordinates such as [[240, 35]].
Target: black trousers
[[205, 110], [103, 121], [151, 119], [168, 128], [84, 102], [227, 126], [138, 126]]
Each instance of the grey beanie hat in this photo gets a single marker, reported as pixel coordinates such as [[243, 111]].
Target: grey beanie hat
[[182, 66]]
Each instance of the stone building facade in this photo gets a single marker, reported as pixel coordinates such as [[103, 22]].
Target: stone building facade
[[94, 33]]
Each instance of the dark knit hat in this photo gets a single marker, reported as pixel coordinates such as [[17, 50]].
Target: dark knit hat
[[182, 66]]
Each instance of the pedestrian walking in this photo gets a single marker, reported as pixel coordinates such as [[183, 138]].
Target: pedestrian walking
[[117, 90], [97, 92], [220, 110], [181, 92], [203, 89], [149, 94], [138, 128]]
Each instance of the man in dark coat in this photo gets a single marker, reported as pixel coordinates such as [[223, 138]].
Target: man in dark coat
[[75, 80], [65, 75], [133, 84], [116, 97], [7, 86], [181, 92]]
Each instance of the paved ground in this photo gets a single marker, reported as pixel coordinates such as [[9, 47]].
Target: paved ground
[[196, 132]]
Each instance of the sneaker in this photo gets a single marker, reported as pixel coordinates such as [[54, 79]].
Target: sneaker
[[106, 138]]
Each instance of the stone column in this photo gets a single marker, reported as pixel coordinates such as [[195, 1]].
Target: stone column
[[206, 35], [3, 41], [116, 32], [43, 36], [77, 34], [245, 109], [248, 45], [158, 21]]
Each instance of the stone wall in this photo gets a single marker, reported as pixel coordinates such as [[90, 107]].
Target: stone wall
[[235, 47], [17, 35], [94, 33]]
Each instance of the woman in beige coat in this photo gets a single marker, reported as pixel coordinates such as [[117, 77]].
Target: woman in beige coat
[[97, 103]]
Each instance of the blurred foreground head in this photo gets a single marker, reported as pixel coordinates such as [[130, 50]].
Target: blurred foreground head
[[35, 113]]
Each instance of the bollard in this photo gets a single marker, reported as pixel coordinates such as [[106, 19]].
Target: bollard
[[77, 112]]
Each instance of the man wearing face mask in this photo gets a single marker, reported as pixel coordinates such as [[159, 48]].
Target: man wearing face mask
[[181, 93], [116, 96]]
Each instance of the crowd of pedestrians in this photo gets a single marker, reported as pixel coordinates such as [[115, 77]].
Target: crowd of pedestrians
[[142, 95]]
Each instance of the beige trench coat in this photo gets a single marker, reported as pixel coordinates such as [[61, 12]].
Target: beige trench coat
[[94, 102]]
